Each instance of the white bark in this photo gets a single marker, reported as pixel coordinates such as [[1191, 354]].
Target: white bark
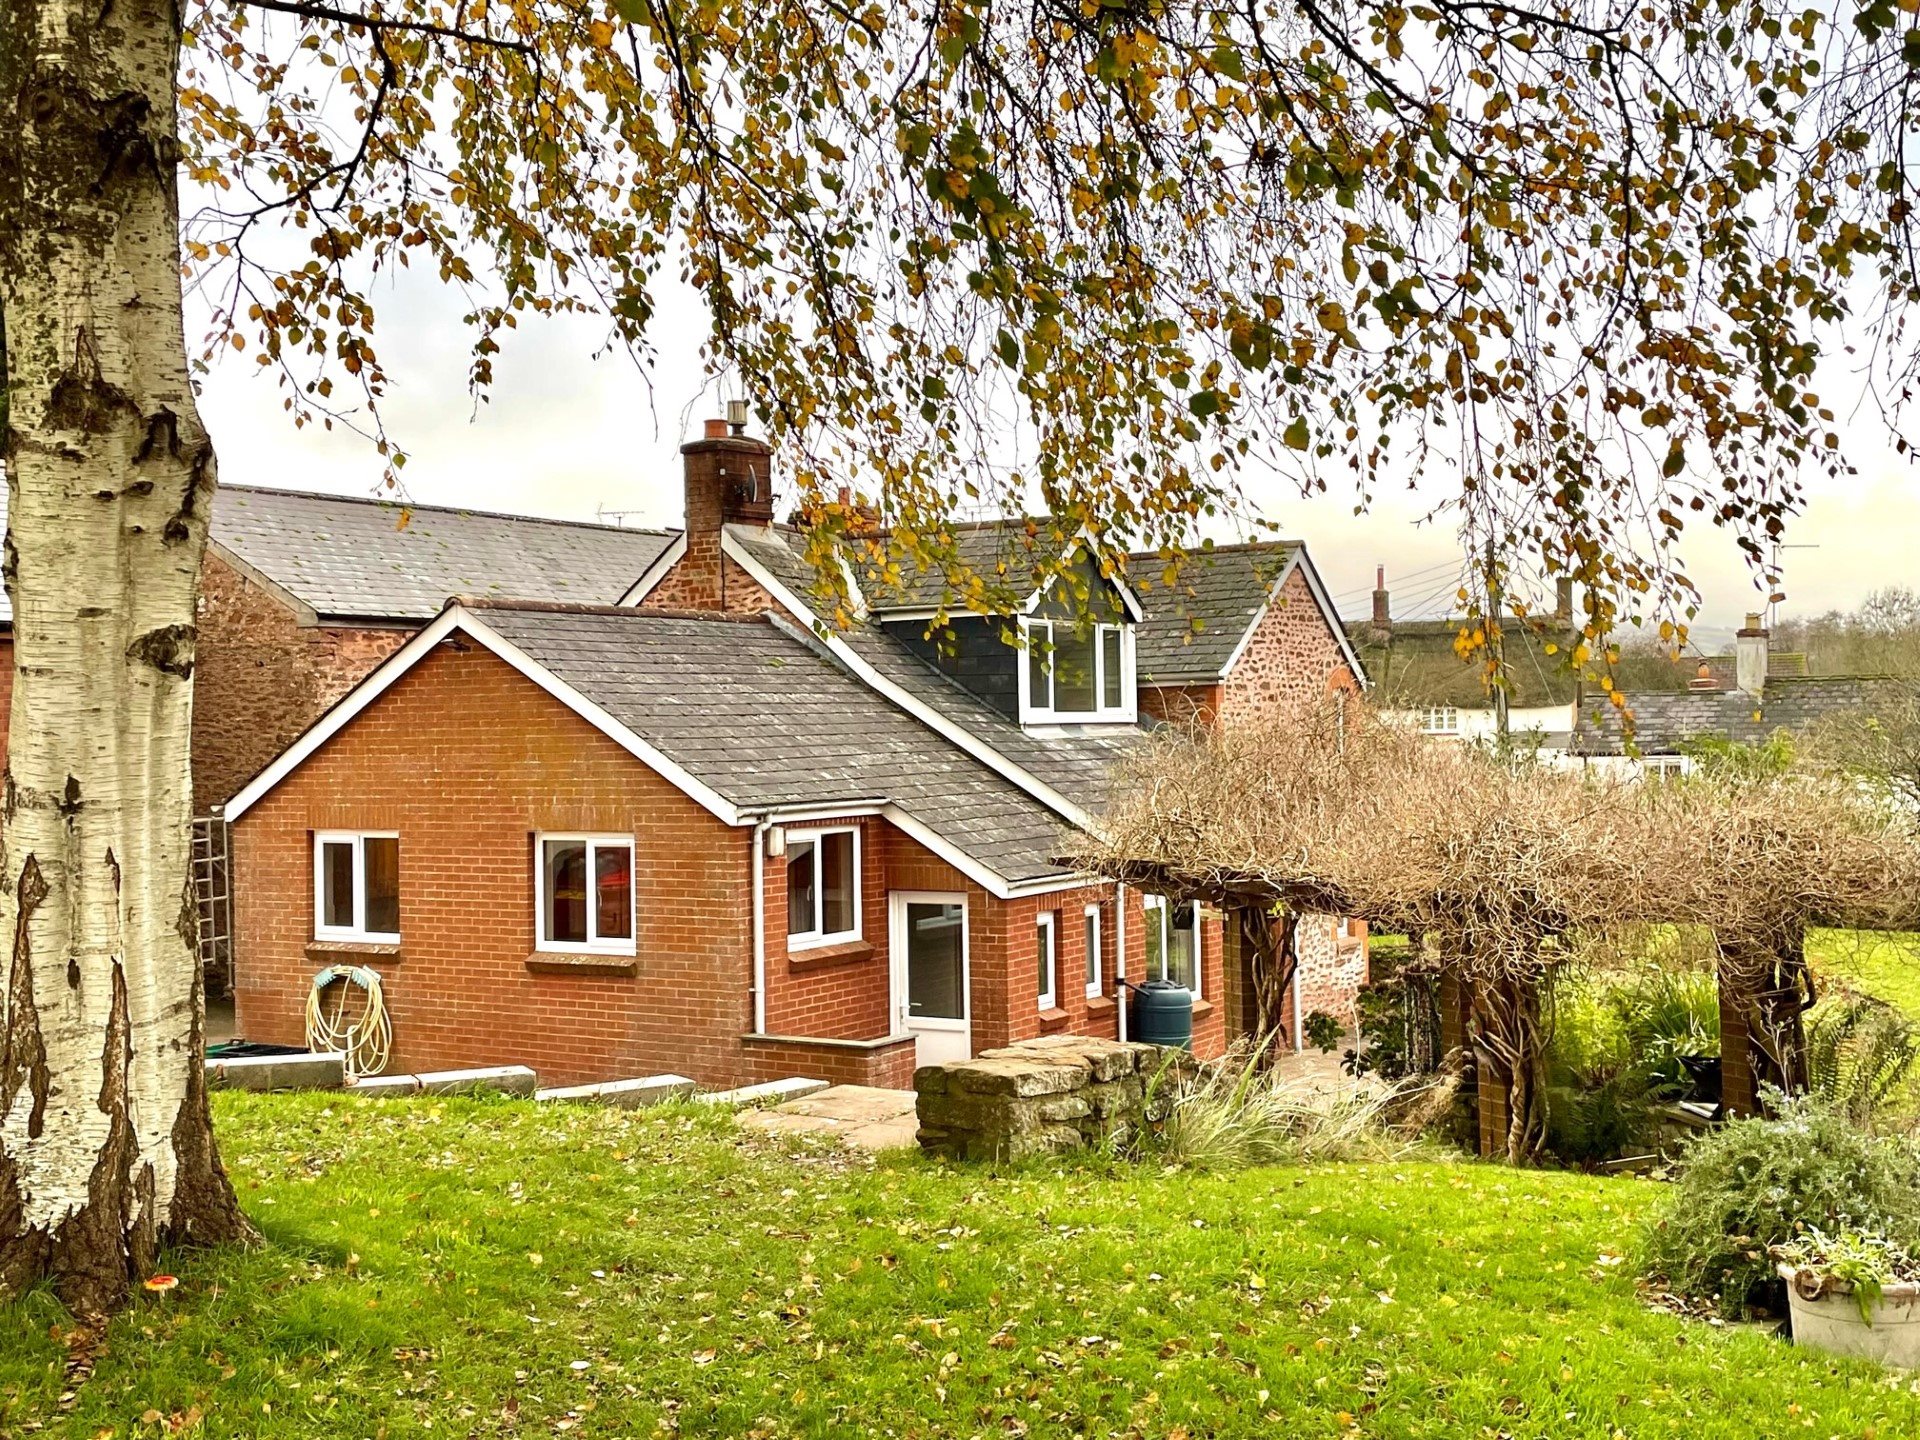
[[104, 1144]]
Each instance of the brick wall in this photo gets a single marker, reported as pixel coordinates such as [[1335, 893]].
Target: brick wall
[[466, 800], [261, 678], [1292, 658], [1180, 704]]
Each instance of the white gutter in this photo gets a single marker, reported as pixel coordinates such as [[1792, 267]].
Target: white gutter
[[1120, 955]]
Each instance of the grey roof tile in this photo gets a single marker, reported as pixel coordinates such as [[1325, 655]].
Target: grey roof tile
[[765, 720], [352, 558], [1194, 625], [1078, 766], [1663, 724]]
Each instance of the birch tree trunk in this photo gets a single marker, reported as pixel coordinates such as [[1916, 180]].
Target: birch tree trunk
[[106, 1150]]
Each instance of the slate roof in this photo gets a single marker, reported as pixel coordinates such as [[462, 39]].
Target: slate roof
[[1077, 766], [1415, 663], [1664, 723], [1001, 553], [1193, 627], [351, 558], [763, 719]]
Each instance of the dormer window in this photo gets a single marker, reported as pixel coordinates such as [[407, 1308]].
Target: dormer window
[[1075, 673]]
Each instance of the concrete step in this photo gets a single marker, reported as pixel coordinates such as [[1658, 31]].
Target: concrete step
[[502, 1079], [772, 1092], [623, 1094], [277, 1072]]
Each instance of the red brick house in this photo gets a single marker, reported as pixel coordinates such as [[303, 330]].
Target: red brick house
[[698, 831]]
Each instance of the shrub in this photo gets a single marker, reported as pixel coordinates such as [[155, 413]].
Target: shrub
[[1322, 1031], [1758, 1183], [1861, 1054], [1236, 1114]]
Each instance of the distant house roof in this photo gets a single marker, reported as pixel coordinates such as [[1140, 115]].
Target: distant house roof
[[746, 717], [1664, 723], [359, 558], [1416, 662], [1194, 626]]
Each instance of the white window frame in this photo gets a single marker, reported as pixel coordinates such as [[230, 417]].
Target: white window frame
[[1049, 921], [813, 939], [1440, 720], [1096, 943], [630, 944], [1151, 903], [358, 930], [1039, 709]]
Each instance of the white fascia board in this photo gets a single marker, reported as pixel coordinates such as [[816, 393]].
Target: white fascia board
[[656, 572], [815, 632], [1129, 601], [454, 618]]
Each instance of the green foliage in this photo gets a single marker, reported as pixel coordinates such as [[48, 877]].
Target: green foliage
[[1322, 1031], [1397, 1016], [1738, 762], [1620, 1046], [1886, 965], [1861, 1054], [1767, 1181]]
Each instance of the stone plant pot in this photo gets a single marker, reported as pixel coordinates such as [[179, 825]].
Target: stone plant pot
[[1826, 1317]]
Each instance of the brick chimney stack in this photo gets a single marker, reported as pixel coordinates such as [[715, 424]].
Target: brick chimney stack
[[1750, 657], [1382, 610], [729, 481]]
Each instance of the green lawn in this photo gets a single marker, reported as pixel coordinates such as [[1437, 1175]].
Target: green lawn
[[1886, 965], [471, 1268]]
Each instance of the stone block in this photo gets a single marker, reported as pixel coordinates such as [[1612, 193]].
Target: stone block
[[1010, 1076], [623, 1094], [277, 1072], [495, 1079], [771, 1092]]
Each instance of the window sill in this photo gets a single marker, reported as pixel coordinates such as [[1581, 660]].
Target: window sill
[[1101, 1005], [365, 949], [543, 962], [1201, 1007], [822, 957], [1054, 1018]]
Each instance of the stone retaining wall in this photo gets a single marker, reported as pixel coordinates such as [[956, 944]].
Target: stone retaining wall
[[1039, 1097]]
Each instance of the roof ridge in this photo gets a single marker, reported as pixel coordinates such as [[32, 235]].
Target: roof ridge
[[372, 500], [1200, 552], [626, 612]]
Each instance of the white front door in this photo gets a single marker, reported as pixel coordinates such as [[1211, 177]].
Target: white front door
[[929, 948]]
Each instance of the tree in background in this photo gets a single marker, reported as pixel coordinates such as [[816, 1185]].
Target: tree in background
[[1586, 258]]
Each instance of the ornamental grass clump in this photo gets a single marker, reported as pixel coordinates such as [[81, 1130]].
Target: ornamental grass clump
[[1761, 1183]]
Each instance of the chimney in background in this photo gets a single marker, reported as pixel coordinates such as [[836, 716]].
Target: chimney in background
[[729, 481], [1703, 678], [1382, 615], [1563, 600], [1750, 657]]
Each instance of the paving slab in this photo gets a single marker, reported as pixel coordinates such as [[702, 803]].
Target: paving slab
[[505, 1079], [776, 1091], [859, 1115], [277, 1072], [622, 1094]]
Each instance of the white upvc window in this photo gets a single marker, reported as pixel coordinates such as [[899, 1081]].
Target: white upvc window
[[583, 893], [1663, 767], [1173, 942], [823, 886], [356, 885], [1093, 952], [1073, 674], [1046, 935], [1440, 720]]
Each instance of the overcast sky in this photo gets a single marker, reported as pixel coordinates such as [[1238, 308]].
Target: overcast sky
[[572, 436]]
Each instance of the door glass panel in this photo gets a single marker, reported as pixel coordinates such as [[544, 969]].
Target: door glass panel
[[1157, 941], [565, 862], [381, 854], [613, 885], [836, 882], [936, 970], [800, 889], [336, 884]]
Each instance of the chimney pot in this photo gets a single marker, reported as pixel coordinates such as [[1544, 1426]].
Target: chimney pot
[[1382, 608], [1563, 600], [716, 430], [1750, 657], [1703, 678], [737, 416]]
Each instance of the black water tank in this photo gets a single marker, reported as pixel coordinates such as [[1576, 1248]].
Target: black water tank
[[1163, 1014]]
